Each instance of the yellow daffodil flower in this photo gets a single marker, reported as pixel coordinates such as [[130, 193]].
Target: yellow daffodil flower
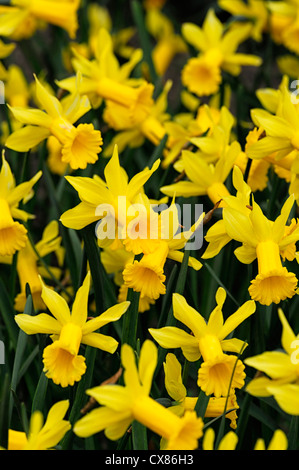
[[62, 362], [281, 128], [176, 390], [114, 262], [28, 267], [13, 235], [267, 241], [205, 178], [160, 241], [23, 17], [80, 145], [134, 134], [217, 47], [103, 78], [95, 192], [181, 131], [264, 240], [208, 341], [124, 404], [42, 436], [280, 371]]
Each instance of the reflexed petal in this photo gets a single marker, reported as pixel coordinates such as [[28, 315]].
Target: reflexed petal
[[26, 138], [287, 397], [288, 336], [103, 342], [98, 420], [131, 376], [47, 101], [56, 304], [79, 216], [114, 175], [138, 181], [113, 313], [188, 315], [173, 378], [234, 320], [275, 364], [114, 396], [147, 364], [34, 324], [79, 309], [171, 337]]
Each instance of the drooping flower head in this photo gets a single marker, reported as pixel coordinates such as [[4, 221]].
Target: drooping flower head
[[62, 361], [218, 371], [81, 144], [268, 241], [124, 404]]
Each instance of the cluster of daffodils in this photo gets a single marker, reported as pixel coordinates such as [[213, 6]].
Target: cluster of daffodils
[[149, 172]]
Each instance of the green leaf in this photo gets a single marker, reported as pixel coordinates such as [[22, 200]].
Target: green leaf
[[139, 436]]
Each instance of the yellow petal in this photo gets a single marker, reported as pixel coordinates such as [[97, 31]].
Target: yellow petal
[[41, 323], [56, 304], [26, 138], [113, 313], [188, 315], [79, 309], [275, 364]]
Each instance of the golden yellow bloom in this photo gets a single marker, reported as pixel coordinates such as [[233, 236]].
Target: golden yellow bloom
[[114, 261], [205, 178], [218, 371], [104, 199], [176, 390], [103, 78], [131, 133], [262, 239], [217, 45], [80, 145], [158, 240], [123, 404], [62, 362]]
